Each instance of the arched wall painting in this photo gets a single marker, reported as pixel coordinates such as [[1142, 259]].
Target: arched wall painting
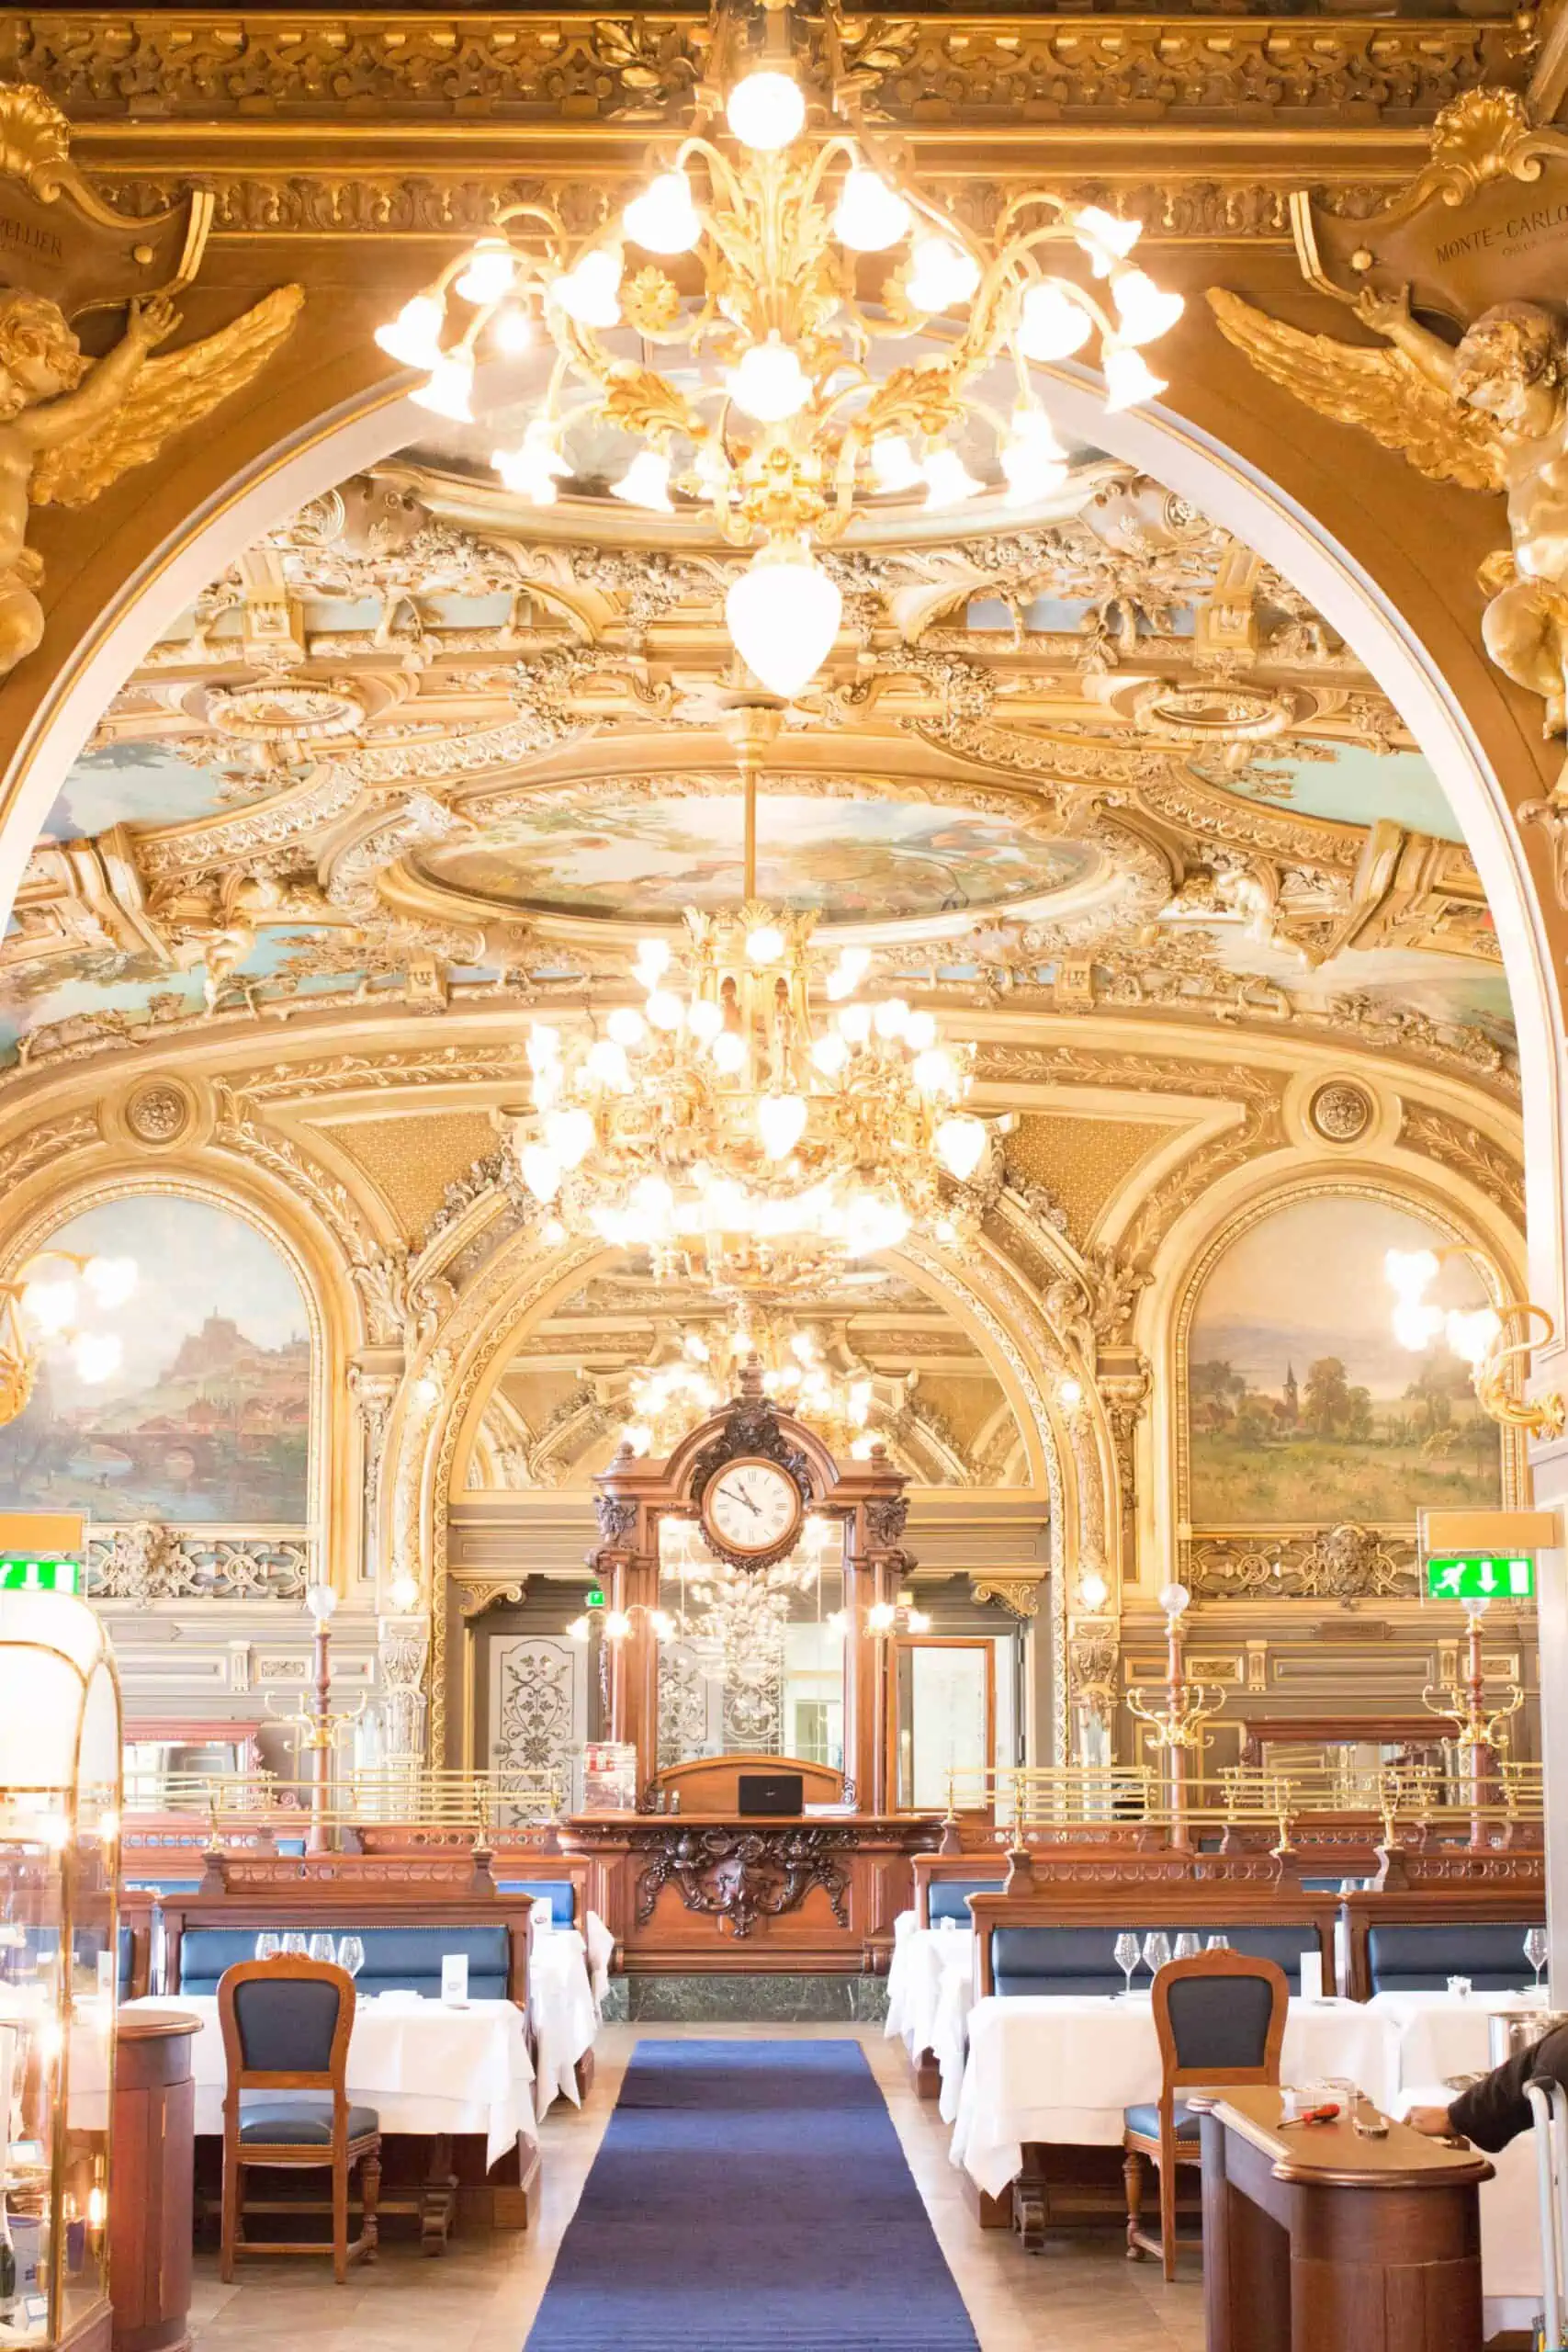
[[1303, 1407], [209, 1418]]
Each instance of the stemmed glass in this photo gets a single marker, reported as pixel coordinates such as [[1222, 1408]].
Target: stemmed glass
[[350, 1954], [1157, 1951], [1186, 1945], [321, 1947], [295, 1946], [1537, 1949], [266, 1945], [1218, 1943], [1125, 1949]]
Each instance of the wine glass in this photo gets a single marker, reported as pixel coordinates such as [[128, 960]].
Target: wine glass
[[1218, 1943], [1537, 1951], [321, 1947], [266, 1945], [1157, 1951], [295, 1946], [1125, 1949], [350, 1954], [1186, 1945]]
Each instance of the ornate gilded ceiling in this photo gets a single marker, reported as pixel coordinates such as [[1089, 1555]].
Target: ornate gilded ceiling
[[424, 744]]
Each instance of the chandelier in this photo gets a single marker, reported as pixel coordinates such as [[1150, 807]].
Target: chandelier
[[733, 1129], [669, 1397], [823, 325], [1495, 1342], [42, 1304]]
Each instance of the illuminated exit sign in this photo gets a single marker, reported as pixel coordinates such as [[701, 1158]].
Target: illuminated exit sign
[[40, 1576], [1480, 1575]]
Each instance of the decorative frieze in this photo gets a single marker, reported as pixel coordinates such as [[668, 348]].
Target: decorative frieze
[[1346, 1563], [152, 1561]]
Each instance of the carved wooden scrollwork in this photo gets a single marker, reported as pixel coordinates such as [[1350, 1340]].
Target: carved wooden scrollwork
[[750, 1429], [744, 1875]]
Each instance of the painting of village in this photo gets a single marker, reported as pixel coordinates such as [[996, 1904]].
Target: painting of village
[[208, 1419], [1303, 1407]]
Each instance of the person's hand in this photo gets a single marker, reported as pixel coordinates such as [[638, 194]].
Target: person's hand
[[1383, 312], [1432, 2120], [150, 321]]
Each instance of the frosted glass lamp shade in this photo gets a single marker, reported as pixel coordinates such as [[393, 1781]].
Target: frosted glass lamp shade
[[59, 1719]]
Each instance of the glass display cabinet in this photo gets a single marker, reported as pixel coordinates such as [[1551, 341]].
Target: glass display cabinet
[[60, 1784]]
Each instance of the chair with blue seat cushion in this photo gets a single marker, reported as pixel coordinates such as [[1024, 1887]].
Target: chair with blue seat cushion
[[397, 1959], [1420, 1956], [286, 2024], [557, 1893], [1219, 2017], [948, 1898]]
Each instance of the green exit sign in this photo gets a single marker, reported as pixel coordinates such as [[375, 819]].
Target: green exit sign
[[595, 1596], [18, 1574], [1480, 1575]]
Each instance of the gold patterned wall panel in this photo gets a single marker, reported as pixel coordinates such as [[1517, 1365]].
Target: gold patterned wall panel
[[1083, 1163], [411, 1160]]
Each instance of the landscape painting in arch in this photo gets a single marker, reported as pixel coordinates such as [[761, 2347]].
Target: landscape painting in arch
[[1303, 1407], [208, 1416]]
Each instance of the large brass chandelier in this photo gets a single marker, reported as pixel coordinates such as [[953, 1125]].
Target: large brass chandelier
[[792, 330], [671, 1396], [44, 1304], [732, 1128]]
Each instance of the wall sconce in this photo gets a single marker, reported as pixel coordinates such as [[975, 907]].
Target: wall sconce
[[1093, 1591], [1069, 1395], [1488, 1339]]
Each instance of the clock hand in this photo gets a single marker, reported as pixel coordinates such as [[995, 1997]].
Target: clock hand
[[745, 1498]]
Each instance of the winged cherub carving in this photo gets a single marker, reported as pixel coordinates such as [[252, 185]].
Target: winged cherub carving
[[1488, 413], [70, 426]]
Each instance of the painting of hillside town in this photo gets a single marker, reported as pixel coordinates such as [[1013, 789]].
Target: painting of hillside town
[[207, 1417], [1303, 1407]]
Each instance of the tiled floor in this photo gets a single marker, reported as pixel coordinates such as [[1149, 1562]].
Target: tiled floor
[[481, 2296]]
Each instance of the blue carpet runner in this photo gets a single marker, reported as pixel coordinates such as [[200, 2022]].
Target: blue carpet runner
[[750, 2196]]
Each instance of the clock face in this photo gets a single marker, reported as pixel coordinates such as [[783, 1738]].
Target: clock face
[[751, 1506]]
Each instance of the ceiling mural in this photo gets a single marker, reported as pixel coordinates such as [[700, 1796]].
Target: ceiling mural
[[424, 743]]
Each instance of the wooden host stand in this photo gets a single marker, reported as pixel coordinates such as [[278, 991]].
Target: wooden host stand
[[1316, 2239]]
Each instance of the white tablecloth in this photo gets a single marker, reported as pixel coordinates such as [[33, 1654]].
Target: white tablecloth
[[1510, 2231], [1439, 2034], [423, 2067], [601, 1951], [562, 2012], [924, 1960], [1063, 2068]]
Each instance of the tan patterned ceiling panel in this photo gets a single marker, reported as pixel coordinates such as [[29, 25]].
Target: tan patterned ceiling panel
[[413, 1158]]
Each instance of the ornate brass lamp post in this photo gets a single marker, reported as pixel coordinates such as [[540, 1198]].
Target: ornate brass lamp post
[[317, 1728], [1175, 1729], [1482, 1730]]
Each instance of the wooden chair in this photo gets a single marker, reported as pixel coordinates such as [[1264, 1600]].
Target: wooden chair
[[1221, 2019], [286, 2030]]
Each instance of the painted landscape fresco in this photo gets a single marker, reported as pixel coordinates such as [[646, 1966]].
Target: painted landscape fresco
[[1302, 1406], [208, 1419]]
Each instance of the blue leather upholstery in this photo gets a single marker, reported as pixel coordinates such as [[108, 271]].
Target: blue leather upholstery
[[162, 1885], [559, 1892], [1145, 2119], [125, 1961], [397, 1959], [1421, 1957], [285, 2028], [303, 2121], [1082, 1959], [1221, 2021], [946, 1898]]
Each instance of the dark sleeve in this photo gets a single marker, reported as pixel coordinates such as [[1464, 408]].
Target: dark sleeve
[[1495, 2110]]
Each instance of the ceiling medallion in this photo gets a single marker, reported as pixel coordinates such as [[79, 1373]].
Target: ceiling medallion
[[1215, 711], [808, 382], [278, 713], [731, 1126], [159, 1112], [1340, 1113]]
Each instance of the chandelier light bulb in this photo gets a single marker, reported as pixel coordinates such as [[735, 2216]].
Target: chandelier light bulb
[[1106, 238], [765, 111], [729, 1053], [590, 292], [1033, 458], [1128, 378], [881, 1617], [646, 482], [413, 337], [95, 1355], [854, 1023], [781, 1121], [870, 216], [1416, 1326], [893, 466], [704, 1018], [1051, 325], [1144, 310], [627, 1025], [769, 382], [917, 1620], [829, 1054], [111, 1281], [846, 973], [541, 1170], [765, 945], [447, 390], [533, 467], [489, 274], [948, 480], [1472, 1335], [552, 1233], [652, 961], [961, 1144], [544, 1045], [50, 1306], [891, 1017], [783, 614], [607, 1065], [663, 220], [511, 330], [665, 1010], [935, 1072], [942, 274], [919, 1032]]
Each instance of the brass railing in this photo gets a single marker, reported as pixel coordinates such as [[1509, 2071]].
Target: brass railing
[[413, 1795]]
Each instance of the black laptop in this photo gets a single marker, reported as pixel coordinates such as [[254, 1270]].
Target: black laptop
[[771, 1791]]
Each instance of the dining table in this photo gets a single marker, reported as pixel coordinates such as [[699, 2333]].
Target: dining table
[[930, 1986], [562, 2013]]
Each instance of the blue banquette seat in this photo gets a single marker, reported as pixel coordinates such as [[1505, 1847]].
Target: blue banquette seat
[[397, 1959], [1419, 1956], [558, 1893], [1035, 1960], [948, 1898]]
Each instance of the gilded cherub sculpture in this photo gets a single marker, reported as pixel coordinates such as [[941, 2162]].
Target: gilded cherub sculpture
[[1489, 413], [70, 426]]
